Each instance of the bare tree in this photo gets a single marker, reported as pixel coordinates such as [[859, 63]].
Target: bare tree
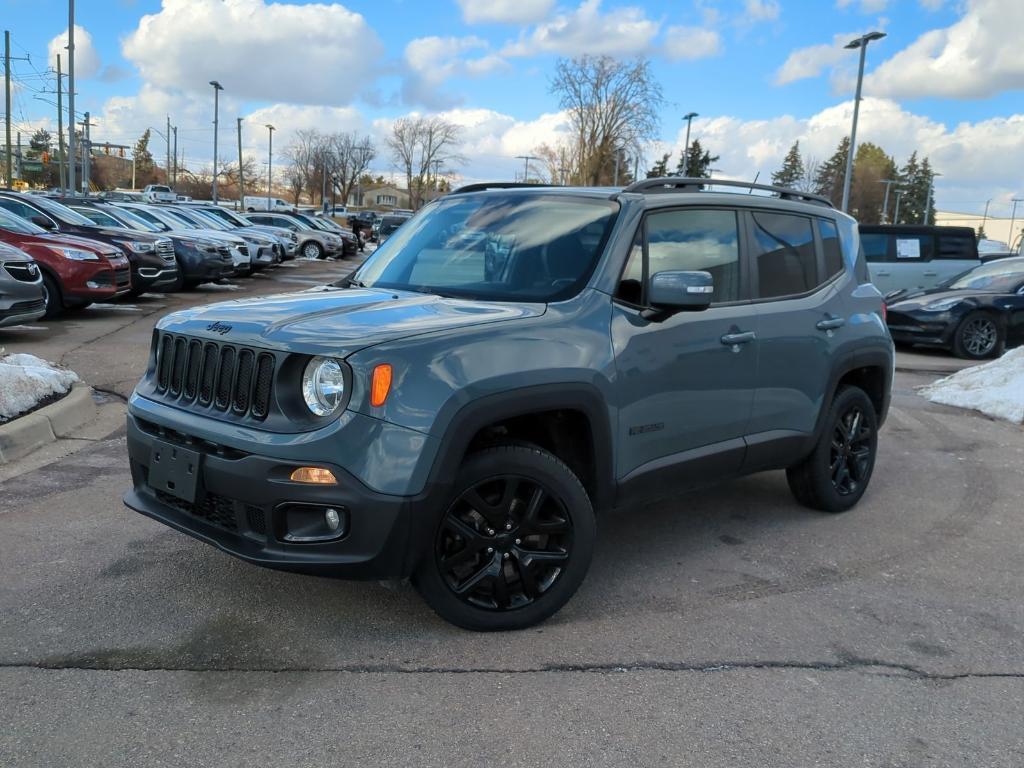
[[351, 155], [811, 167], [418, 145], [613, 108]]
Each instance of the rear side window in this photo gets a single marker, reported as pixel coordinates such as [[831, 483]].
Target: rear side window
[[876, 247], [786, 261], [831, 247], [957, 247]]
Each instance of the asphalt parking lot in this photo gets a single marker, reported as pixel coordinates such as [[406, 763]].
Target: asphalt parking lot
[[729, 627]]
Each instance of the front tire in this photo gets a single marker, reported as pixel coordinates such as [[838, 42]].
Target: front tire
[[837, 472], [978, 336], [52, 296], [312, 250], [512, 543]]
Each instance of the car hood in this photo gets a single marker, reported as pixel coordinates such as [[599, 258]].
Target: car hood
[[338, 322], [127, 234], [74, 241], [211, 234], [918, 299]]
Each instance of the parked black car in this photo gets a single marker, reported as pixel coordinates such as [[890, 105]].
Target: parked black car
[[151, 257], [200, 260], [976, 314]]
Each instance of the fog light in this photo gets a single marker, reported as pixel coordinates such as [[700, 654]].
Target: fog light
[[92, 284], [315, 475], [333, 519]]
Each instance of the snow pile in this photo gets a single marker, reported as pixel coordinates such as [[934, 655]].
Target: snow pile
[[25, 380], [996, 389]]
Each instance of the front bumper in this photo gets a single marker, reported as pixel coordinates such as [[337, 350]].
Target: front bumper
[[240, 509], [17, 312], [927, 328]]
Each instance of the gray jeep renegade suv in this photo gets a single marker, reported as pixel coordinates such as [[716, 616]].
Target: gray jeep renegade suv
[[511, 364]]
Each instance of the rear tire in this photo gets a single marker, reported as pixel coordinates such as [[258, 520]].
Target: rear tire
[[837, 472], [312, 250], [978, 336], [511, 544], [52, 296]]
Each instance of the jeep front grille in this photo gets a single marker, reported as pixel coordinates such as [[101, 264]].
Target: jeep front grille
[[208, 374]]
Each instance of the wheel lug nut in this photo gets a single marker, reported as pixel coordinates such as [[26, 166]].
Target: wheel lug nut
[[505, 556], [490, 550], [490, 531], [508, 526], [519, 541]]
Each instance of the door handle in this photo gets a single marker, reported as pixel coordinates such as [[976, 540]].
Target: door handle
[[830, 324], [931, 274], [734, 339], [883, 274]]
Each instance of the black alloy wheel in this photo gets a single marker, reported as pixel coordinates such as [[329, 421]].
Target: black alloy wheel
[[977, 337], [851, 451], [504, 543], [511, 544]]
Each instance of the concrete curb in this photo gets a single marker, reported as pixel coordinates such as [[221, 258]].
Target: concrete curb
[[29, 433]]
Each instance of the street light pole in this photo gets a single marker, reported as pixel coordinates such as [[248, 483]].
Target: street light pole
[[1013, 217], [72, 189], [217, 88], [686, 147], [896, 216], [270, 163], [862, 44], [984, 218], [241, 175], [885, 201], [928, 200]]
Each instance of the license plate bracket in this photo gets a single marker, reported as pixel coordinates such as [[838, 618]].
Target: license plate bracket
[[174, 470]]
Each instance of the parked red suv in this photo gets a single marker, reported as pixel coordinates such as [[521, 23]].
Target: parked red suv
[[76, 271]]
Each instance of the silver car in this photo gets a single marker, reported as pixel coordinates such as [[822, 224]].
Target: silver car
[[21, 288]]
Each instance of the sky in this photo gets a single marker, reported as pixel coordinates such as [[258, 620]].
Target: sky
[[947, 80]]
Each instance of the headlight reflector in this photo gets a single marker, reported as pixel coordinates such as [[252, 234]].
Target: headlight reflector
[[941, 305], [323, 386], [75, 254]]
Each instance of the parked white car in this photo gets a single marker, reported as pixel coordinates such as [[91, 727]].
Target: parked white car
[[159, 193], [263, 203]]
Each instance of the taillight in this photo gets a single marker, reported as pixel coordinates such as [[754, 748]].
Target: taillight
[[885, 312]]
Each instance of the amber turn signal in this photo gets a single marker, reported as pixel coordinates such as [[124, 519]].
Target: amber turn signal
[[314, 475], [380, 385]]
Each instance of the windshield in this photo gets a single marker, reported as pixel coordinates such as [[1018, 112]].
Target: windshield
[[62, 212], [207, 220], [225, 215], [156, 221], [98, 217], [310, 222], [1004, 276], [495, 246], [130, 219], [17, 224], [177, 218]]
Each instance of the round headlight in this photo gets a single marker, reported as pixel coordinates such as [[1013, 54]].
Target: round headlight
[[323, 386]]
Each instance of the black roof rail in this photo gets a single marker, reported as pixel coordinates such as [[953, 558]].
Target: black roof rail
[[689, 184], [483, 185]]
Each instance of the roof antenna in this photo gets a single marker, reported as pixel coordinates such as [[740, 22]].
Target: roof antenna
[[756, 177]]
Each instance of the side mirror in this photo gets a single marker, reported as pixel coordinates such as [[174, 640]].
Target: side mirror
[[42, 221], [677, 291]]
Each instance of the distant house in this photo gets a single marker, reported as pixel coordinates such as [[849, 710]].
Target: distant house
[[384, 196]]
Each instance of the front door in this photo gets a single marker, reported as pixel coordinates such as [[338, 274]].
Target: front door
[[685, 382]]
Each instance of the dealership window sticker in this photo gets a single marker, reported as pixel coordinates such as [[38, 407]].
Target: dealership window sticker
[[908, 249]]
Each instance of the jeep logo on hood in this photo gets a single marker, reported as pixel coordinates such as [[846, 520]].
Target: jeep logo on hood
[[218, 327]]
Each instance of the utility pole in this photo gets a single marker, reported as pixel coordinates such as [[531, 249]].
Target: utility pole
[[686, 147], [17, 165], [241, 178], [71, 98], [217, 88], [928, 199], [885, 204], [167, 168], [175, 129], [86, 153], [526, 170], [984, 218], [1013, 217], [896, 216], [861, 43], [7, 101], [270, 164], [60, 129], [323, 188]]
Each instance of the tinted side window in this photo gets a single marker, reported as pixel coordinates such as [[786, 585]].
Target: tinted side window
[[786, 262], [18, 208], [957, 247], [830, 245], [876, 247], [695, 240]]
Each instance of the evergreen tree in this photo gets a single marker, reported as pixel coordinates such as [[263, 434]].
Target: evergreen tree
[[660, 169], [40, 141], [145, 168], [792, 170], [697, 162], [829, 179], [871, 166]]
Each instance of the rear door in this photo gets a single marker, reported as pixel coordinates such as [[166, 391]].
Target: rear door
[[955, 253], [901, 261], [801, 319], [685, 382]]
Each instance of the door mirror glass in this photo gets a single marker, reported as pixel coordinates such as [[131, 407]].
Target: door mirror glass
[[42, 221], [680, 290]]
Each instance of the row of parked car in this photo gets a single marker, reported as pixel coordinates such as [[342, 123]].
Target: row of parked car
[[59, 253]]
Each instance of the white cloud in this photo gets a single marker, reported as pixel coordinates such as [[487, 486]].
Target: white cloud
[[258, 50], [431, 61], [975, 158], [505, 11], [762, 10], [813, 60], [977, 57], [931, 5], [688, 43], [868, 6], [622, 31], [87, 59]]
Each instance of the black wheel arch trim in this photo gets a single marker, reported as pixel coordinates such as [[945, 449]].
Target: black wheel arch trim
[[466, 420], [881, 358]]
